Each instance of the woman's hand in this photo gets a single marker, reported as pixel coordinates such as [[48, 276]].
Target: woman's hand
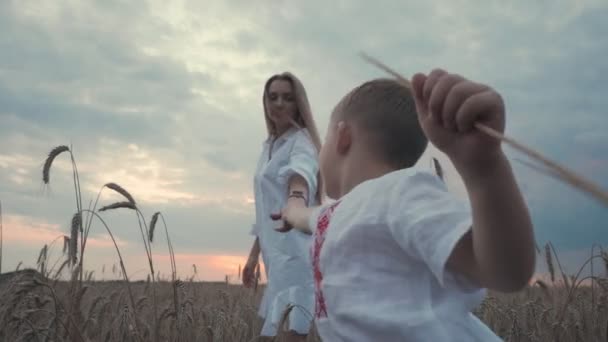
[[249, 272], [252, 263]]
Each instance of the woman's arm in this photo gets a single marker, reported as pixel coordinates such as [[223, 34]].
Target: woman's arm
[[297, 199], [297, 190], [296, 212]]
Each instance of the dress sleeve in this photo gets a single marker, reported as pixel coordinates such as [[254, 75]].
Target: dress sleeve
[[303, 160], [427, 221], [255, 229]]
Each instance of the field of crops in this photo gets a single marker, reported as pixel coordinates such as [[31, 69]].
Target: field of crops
[[60, 301]]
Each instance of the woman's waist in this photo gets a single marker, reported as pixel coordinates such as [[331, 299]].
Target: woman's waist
[[292, 243]]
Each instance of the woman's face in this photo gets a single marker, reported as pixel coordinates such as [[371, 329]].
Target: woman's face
[[281, 104]]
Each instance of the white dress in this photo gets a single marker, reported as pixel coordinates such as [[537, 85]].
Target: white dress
[[286, 256]]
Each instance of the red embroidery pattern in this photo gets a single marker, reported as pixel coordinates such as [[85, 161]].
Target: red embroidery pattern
[[319, 238]]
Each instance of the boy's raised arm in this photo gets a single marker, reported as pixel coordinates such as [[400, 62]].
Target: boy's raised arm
[[498, 253]]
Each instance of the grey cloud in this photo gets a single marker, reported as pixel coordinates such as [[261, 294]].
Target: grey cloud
[[49, 67], [219, 159], [109, 52], [208, 229]]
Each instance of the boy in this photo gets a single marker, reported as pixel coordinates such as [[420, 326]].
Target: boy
[[397, 257]]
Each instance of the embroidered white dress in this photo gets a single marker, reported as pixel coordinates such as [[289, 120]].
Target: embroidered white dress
[[286, 256], [379, 261]]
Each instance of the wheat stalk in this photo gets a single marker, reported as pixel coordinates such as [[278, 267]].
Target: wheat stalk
[[152, 228], [119, 189], [121, 261], [46, 170], [153, 222], [66, 244], [59, 306], [118, 205], [576, 282], [57, 275], [42, 256], [564, 174], [75, 229], [146, 240], [549, 261]]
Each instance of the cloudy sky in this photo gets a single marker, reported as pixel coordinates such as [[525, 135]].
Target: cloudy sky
[[164, 98]]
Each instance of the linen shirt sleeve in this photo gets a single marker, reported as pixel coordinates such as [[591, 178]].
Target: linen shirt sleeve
[[303, 160], [427, 221], [313, 220]]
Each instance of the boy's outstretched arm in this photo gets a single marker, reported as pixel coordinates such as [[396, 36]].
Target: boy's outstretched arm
[[294, 216], [498, 253]]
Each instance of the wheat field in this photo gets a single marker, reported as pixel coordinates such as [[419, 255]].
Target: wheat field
[[60, 301], [34, 308]]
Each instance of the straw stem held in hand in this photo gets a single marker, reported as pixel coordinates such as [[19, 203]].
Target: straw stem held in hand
[[558, 171]]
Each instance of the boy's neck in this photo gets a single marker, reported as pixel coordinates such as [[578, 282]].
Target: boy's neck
[[361, 170]]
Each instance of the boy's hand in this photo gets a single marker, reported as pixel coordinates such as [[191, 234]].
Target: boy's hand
[[448, 107], [499, 252], [286, 225], [289, 214]]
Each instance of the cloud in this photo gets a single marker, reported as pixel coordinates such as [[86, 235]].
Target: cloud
[[208, 266], [24, 237], [22, 230], [165, 100]]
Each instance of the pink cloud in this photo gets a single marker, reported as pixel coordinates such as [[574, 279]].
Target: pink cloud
[[30, 232], [209, 267]]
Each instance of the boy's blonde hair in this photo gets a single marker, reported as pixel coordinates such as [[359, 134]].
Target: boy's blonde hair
[[385, 110], [304, 116]]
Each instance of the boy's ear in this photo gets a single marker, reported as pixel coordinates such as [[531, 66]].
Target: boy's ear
[[343, 137]]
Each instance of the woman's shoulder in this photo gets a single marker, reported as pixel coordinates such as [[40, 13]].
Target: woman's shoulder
[[302, 136]]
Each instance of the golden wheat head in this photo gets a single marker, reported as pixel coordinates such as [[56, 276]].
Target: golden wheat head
[[153, 222], [46, 170], [118, 205], [73, 243], [119, 189]]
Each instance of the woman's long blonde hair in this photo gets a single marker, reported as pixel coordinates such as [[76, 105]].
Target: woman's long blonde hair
[[304, 117]]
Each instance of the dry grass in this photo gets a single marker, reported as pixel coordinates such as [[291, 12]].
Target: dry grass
[[207, 311], [36, 310], [60, 301]]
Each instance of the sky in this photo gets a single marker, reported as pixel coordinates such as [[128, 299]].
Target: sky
[[164, 98]]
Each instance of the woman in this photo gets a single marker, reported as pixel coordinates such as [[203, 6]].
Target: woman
[[287, 171]]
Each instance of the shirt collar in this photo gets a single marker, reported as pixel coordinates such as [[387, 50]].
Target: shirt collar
[[284, 136]]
